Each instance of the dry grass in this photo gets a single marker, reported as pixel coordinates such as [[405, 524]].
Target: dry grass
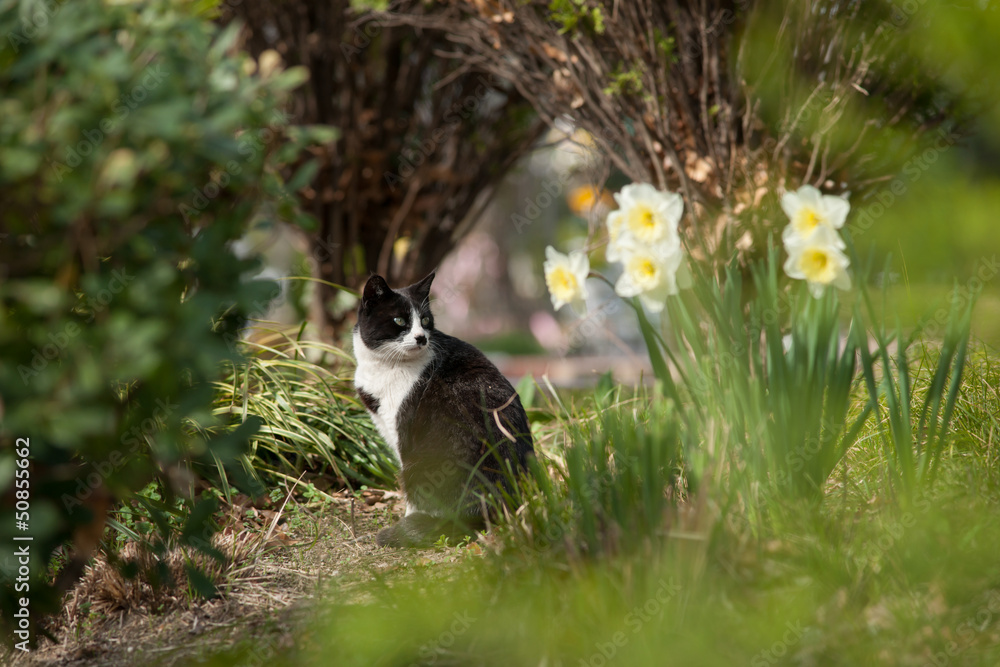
[[267, 587]]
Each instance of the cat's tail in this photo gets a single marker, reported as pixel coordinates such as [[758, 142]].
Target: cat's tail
[[423, 530]]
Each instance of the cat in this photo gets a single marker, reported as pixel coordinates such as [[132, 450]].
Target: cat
[[453, 420]]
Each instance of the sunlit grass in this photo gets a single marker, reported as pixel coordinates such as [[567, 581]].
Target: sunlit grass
[[581, 575], [884, 588], [670, 520], [311, 419]]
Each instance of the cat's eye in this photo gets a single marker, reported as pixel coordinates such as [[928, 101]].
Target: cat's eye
[[426, 321], [400, 322]]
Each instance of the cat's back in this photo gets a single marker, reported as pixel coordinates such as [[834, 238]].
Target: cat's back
[[467, 397], [462, 368]]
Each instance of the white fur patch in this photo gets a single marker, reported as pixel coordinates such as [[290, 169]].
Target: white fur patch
[[389, 374]]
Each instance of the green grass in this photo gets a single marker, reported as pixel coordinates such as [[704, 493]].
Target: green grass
[[911, 302], [621, 555], [311, 420], [511, 342], [668, 525], [851, 585]]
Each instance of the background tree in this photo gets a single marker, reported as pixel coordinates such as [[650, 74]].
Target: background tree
[[425, 138], [718, 100]]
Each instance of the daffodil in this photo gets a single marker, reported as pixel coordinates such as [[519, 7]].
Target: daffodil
[[566, 276], [650, 272], [645, 214], [809, 210], [819, 261], [584, 199]]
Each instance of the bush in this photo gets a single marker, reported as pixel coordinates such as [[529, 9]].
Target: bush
[[135, 145]]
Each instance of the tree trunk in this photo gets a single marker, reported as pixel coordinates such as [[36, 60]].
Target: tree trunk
[[425, 138]]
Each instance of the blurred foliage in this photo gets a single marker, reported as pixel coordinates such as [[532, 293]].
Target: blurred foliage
[[135, 144], [514, 342], [894, 108]]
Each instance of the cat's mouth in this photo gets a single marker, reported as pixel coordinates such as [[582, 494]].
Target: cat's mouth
[[412, 350]]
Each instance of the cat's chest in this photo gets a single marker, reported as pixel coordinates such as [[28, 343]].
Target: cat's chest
[[384, 388]]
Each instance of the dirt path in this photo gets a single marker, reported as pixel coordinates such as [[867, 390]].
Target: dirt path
[[266, 596]]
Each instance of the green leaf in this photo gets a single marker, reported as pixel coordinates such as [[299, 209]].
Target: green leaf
[[651, 338], [526, 391], [304, 176], [200, 582], [604, 391]]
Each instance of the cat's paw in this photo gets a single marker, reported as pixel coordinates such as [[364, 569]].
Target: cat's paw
[[389, 537]]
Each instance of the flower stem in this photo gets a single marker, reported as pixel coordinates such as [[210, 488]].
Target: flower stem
[[600, 276]]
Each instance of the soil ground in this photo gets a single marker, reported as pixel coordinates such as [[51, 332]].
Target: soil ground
[[264, 598]]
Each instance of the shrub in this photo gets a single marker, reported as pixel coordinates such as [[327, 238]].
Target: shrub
[[135, 144]]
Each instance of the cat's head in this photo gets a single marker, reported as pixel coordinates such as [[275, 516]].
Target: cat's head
[[396, 322]]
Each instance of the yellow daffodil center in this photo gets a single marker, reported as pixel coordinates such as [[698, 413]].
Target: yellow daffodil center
[[807, 220], [644, 272], [816, 265], [562, 284], [643, 224]]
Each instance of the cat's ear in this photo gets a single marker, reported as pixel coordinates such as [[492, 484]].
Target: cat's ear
[[375, 289], [422, 289]]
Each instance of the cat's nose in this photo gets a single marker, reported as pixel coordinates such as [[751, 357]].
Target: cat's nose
[[421, 340]]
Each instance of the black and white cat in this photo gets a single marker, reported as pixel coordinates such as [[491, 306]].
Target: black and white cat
[[454, 421]]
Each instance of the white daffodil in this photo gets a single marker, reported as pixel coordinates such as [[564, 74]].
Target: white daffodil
[[809, 210], [646, 215], [819, 261], [650, 272], [566, 276]]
